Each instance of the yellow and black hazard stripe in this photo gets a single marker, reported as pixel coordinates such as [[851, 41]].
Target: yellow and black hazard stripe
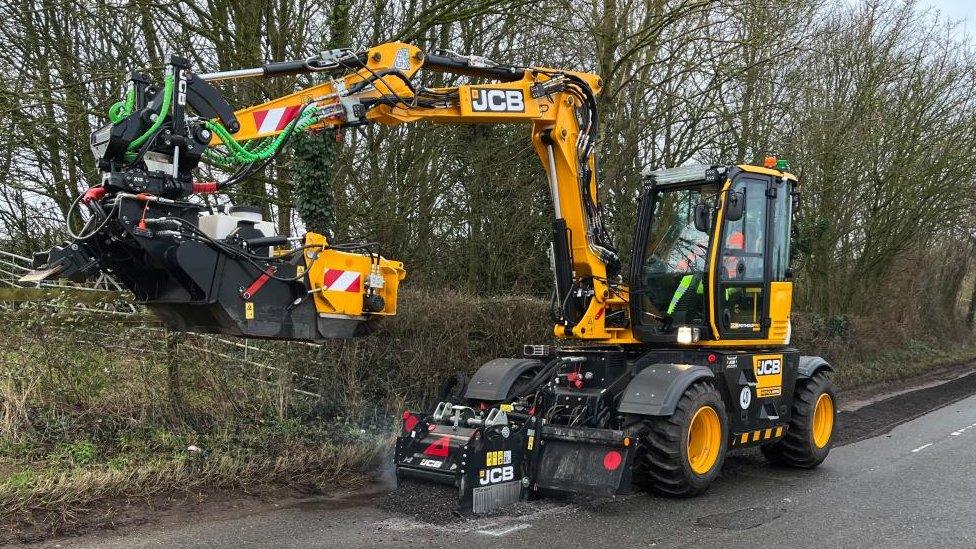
[[760, 435]]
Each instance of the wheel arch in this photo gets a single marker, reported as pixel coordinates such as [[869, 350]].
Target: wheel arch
[[810, 365], [656, 390], [495, 378]]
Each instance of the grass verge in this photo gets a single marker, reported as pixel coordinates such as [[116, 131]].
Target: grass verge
[[901, 364], [38, 503]]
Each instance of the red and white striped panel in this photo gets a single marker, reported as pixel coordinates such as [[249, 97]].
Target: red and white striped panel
[[335, 280], [275, 120]]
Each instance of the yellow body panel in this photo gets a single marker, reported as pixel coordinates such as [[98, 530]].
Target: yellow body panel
[[351, 279], [765, 171], [713, 263], [780, 304]]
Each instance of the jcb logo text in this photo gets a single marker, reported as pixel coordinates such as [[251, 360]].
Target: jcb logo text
[[497, 474], [769, 366], [497, 100]]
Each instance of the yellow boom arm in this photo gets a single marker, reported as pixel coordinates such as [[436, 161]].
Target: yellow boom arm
[[378, 87]]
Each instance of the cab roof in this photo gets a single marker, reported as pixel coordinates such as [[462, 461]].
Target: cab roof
[[695, 174]]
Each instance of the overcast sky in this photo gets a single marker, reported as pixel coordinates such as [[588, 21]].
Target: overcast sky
[[964, 10]]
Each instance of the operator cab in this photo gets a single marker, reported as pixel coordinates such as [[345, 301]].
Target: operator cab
[[711, 255]]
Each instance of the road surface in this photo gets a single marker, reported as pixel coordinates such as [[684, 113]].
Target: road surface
[[914, 486]]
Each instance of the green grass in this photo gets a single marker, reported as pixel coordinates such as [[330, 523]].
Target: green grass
[[55, 498], [92, 421]]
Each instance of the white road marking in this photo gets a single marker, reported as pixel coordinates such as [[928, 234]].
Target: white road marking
[[499, 532], [955, 433], [963, 430]]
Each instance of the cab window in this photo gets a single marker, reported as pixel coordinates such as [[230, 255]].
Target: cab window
[[743, 249], [781, 218], [742, 262], [676, 257]]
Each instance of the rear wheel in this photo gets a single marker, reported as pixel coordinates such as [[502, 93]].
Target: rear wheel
[[682, 454], [811, 431]]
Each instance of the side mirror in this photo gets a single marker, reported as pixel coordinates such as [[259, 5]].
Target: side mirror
[[734, 206], [703, 217]]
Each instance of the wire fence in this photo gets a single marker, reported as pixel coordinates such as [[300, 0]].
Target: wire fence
[[105, 296]]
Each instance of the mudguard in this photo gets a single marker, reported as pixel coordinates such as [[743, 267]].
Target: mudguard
[[656, 389], [495, 378], [809, 365]]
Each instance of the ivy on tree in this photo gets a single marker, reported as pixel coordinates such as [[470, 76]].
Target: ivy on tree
[[312, 177]]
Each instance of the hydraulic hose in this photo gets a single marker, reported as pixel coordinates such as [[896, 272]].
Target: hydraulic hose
[[164, 108], [120, 110], [245, 155]]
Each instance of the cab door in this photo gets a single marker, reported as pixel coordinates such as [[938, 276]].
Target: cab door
[[742, 292], [753, 293]]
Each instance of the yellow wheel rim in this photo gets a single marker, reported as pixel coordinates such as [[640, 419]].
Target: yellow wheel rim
[[704, 440], [823, 420]]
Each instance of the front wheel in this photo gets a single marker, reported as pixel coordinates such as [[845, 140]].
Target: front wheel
[[682, 454], [811, 430]]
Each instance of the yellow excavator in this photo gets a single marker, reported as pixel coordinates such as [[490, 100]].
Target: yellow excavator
[[667, 366]]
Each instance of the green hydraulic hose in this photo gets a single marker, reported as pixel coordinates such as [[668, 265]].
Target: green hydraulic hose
[[244, 155], [225, 159], [164, 109], [238, 154], [117, 112], [120, 110]]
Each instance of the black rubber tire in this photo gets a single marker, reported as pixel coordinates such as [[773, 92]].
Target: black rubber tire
[[796, 448], [661, 463]]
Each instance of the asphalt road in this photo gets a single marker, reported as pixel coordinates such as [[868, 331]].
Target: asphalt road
[[914, 486]]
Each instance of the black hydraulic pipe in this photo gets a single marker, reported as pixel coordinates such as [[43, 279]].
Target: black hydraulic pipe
[[263, 241], [443, 63], [285, 68], [564, 266], [313, 64]]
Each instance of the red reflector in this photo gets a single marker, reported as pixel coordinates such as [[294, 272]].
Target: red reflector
[[409, 421], [712, 358], [612, 460], [439, 448]]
